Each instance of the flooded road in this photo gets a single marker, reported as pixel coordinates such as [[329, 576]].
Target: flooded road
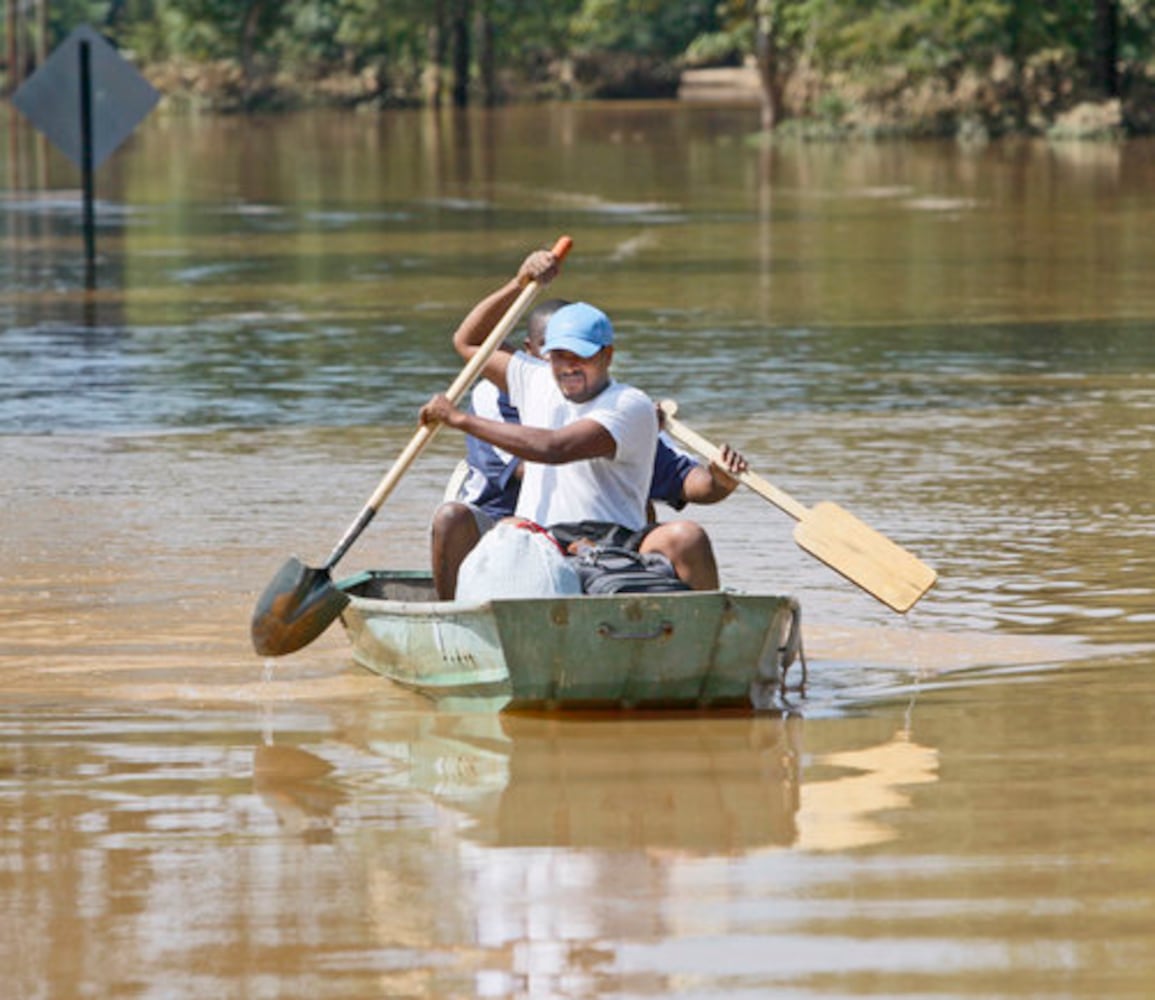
[[955, 344]]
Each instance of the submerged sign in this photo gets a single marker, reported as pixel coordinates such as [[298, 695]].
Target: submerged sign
[[119, 98], [87, 100]]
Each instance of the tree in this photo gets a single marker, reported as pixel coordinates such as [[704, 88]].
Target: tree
[[781, 32], [401, 51], [258, 19], [486, 53], [11, 49], [1106, 70], [460, 35], [659, 28], [436, 50], [774, 59]]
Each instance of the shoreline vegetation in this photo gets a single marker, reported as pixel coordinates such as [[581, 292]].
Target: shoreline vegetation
[[817, 70], [974, 109]]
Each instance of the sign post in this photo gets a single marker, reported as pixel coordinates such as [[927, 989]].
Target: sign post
[[87, 100], [86, 169]]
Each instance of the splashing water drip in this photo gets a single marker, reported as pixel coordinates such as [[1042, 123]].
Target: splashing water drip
[[267, 709]]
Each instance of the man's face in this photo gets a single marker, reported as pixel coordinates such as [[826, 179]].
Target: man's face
[[578, 378]]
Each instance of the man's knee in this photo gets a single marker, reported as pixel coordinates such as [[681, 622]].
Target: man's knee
[[451, 518], [676, 537], [687, 546]]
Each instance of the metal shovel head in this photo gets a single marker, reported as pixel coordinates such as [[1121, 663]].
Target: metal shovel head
[[297, 606]]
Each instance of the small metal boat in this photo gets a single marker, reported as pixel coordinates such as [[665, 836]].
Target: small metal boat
[[689, 649]]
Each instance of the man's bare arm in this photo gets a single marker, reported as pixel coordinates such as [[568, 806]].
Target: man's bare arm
[[540, 266], [577, 441], [715, 482]]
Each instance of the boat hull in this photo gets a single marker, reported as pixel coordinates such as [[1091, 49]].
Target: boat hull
[[689, 649]]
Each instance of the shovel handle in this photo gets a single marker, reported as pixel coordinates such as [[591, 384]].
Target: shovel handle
[[461, 385], [473, 368]]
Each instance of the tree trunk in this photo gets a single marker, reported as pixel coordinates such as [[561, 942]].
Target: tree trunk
[[486, 57], [1106, 69], [461, 52], [436, 51], [41, 32], [111, 17], [771, 71], [11, 52], [1016, 34], [250, 30]]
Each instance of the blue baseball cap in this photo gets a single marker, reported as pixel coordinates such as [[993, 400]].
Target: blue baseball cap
[[578, 328]]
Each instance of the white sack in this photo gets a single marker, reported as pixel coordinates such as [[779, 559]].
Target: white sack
[[511, 561]]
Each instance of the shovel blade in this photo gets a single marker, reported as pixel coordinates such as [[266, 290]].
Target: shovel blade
[[297, 606]]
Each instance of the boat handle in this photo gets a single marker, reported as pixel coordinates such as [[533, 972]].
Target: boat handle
[[664, 628]]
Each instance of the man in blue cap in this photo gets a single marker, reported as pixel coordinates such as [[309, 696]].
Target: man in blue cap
[[488, 485], [587, 441]]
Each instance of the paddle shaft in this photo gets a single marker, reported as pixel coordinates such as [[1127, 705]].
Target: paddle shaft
[[692, 439], [461, 385]]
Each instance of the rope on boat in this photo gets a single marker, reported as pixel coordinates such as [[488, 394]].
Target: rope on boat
[[791, 649]]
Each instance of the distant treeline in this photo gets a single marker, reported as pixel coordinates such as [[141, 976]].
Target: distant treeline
[[989, 66]]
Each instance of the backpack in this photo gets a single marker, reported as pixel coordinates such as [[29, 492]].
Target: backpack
[[609, 569]]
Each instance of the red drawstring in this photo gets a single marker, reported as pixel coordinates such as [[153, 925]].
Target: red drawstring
[[538, 529]]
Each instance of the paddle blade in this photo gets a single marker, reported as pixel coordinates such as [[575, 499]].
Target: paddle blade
[[863, 556], [297, 606]]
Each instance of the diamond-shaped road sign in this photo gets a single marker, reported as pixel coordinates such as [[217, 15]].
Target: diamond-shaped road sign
[[121, 97]]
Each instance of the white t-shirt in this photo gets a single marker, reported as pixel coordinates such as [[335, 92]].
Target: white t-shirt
[[596, 489]]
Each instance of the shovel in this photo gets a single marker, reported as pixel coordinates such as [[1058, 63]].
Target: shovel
[[301, 601]]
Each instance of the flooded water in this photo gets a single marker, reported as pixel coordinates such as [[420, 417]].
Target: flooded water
[[957, 344]]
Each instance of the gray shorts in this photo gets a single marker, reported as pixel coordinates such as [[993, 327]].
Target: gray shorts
[[457, 489], [483, 520]]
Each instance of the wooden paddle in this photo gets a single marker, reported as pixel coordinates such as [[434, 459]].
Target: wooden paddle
[[300, 601], [861, 554]]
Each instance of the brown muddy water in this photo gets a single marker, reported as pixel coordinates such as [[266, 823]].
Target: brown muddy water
[[956, 343]]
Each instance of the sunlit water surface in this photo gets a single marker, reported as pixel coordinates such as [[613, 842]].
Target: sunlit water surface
[[954, 343]]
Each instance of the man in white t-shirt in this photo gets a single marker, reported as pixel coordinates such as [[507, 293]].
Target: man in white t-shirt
[[587, 441]]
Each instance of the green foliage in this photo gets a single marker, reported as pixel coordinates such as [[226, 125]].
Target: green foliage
[[64, 15], [642, 27], [931, 37], [924, 39], [529, 34], [185, 29], [720, 48], [922, 36], [792, 21]]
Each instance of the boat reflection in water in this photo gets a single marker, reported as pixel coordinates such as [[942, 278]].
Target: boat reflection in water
[[532, 855], [695, 783]]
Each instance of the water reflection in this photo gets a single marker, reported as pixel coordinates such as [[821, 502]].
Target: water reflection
[[691, 785], [843, 812], [366, 847], [670, 785], [555, 818]]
